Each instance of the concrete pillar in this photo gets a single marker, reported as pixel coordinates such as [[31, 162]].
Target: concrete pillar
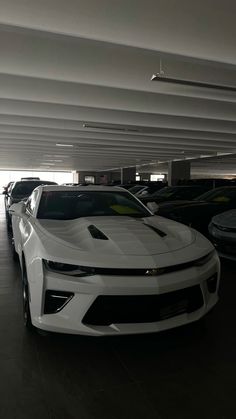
[[145, 176], [177, 171], [102, 178], [127, 174], [75, 176], [114, 177], [87, 177]]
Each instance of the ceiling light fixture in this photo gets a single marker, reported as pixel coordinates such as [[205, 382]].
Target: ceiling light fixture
[[64, 145], [186, 82], [219, 153], [48, 164], [110, 128], [54, 160]]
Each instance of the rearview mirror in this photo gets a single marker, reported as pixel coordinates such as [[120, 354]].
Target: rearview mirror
[[17, 209], [152, 206]]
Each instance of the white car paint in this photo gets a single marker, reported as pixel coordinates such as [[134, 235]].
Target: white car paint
[[132, 244]]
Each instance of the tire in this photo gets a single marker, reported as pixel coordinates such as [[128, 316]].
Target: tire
[[26, 306], [9, 229], [14, 253]]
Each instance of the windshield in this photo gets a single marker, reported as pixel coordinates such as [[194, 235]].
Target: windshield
[[68, 205], [25, 188], [136, 189], [222, 195], [179, 192], [165, 192]]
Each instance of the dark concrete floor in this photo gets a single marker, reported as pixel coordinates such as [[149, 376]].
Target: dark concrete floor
[[185, 373]]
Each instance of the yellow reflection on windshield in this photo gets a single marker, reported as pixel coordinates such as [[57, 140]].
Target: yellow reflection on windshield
[[122, 209]]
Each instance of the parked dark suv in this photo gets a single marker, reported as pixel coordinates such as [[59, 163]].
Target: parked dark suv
[[19, 191]]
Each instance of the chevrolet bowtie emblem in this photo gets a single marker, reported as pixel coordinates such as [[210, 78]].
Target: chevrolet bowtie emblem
[[151, 272]]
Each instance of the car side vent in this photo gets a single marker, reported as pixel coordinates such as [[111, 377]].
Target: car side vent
[[159, 232], [96, 234]]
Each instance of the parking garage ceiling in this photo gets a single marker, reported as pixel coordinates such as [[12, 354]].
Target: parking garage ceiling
[[76, 89]]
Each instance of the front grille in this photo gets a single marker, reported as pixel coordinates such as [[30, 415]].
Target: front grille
[[128, 271], [107, 310], [56, 300]]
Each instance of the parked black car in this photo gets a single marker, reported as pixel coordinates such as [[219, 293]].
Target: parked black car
[[211, 183], [174, 193], [6, 192], [199, 212], [222, 233], [147, 188], [19, 191]]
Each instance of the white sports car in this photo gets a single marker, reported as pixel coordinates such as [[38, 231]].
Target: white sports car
[[96, 261]]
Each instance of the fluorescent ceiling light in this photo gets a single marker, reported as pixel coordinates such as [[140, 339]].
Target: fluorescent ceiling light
[[64, 145], [55, 155], [48, 164], [193, 83], [110, 128], [223, 154], [54, 160]]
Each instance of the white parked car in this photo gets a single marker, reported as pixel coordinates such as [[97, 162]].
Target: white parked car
[[96, 261], [222, 230]]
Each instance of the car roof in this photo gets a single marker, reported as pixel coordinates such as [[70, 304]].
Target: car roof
[[95, 188], [38, 181]]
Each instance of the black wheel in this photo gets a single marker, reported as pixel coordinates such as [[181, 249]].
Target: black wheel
[[14, 253], [9, 229], [26, 306]]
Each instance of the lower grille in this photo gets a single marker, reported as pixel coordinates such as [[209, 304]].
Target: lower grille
[[107, 310]]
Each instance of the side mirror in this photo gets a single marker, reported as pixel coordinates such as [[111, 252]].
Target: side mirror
[[4, 192], [152, 206], [17, 209], [143, 193]]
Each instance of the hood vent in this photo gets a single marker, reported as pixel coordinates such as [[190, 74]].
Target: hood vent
[[159, 232], [96, 234]]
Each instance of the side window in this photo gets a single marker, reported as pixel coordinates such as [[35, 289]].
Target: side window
[[30, 206]]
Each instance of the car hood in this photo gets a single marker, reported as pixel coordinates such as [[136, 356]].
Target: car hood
[[172, 205], [226, 219], [148, 198], [119, 235], [180, 203], [18, 198]]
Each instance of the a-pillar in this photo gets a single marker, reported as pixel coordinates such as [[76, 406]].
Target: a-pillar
[[178, 171], [127, 174]]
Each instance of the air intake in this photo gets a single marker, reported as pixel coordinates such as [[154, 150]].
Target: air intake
[[96, 234]]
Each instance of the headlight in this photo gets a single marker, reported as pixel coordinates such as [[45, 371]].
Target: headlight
[[205, 259], [67, 269]]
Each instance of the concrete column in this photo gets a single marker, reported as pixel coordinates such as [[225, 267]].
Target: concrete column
[[145, 176], [75, 176], [84, 177], [114, 177], [127, 174], [102, 178], [178, 170]]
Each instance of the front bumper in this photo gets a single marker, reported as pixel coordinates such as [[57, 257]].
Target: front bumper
[[70, 319], [225, 243]]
